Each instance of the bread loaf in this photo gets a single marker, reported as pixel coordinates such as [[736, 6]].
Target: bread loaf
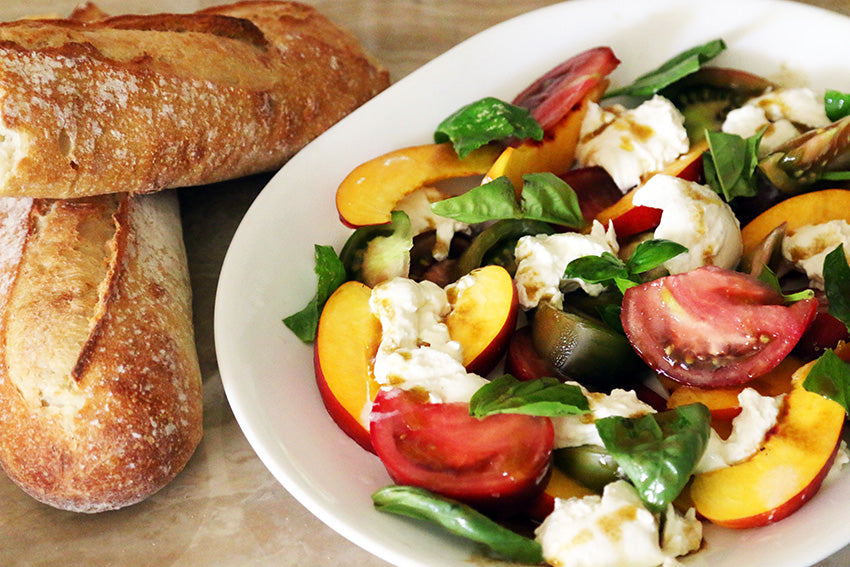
[[140, 103], [100, 391]]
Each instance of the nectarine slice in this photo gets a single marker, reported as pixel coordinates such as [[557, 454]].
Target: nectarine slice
[[483, 317], [346, 343], [555, 153], [801, 210], [785, 473], [559, 485], [369, 193]]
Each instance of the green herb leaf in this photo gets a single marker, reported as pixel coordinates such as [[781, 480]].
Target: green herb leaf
[[829, 377], [597, 269], [730, 164], [485, 121], [608, 269], [769, 277], [610, 315], [672, 70], [490, 201], [545, 197], [836, 276], [548, 198], [650, 254], [331, 274], [836, 104], [547, 396], [659, 451], [459, 519]]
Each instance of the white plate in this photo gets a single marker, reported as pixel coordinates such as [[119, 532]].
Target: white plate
[[268, 271]]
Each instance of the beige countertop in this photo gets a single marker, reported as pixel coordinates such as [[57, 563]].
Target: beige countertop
[[225, 508]]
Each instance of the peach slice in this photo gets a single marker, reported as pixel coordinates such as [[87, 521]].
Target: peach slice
[[723, 402], [555, 153], [346, 343], [484, 317], [369, 193], [800, 210], [784, 474]]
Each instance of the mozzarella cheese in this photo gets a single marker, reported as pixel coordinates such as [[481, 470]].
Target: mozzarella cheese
[[682, 534], [629, 143], [577, 430], [786, 113], [614, 530], [808, 246], [842, 457], [696, 217], [758, 416], [542, 259], [417, 205], [416, 351]]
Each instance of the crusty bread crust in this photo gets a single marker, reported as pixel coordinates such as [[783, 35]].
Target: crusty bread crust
[[142, 103], [100, 390]]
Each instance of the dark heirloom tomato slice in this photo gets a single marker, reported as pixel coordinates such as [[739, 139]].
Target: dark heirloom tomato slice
[[712, 327], [824, 333], [595, 189], [523, 361], [499, 463], [550, 97]]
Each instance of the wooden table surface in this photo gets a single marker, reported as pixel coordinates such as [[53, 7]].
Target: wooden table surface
[[226, 509]]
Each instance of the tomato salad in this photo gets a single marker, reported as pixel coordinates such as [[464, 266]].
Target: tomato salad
[[583, 322]]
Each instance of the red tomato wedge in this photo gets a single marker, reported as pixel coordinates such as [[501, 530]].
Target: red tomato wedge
[[636, 220], [500, 463], [712, 327], [553, 95]]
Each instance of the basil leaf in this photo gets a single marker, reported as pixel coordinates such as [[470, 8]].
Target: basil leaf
[[331, 274], [545, 197], [546, 396], [836, 104], [610, 315], [490, 201], [658, 452], [769, 277], [730, 164], [672, 70], [458, 519], [608, 268], [650, 254], [548, 198], [597, 269], [829, 377], [485, 121], [836, 276]]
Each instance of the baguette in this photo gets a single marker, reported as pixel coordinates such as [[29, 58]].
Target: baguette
[[90, 106], [100, 389]]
